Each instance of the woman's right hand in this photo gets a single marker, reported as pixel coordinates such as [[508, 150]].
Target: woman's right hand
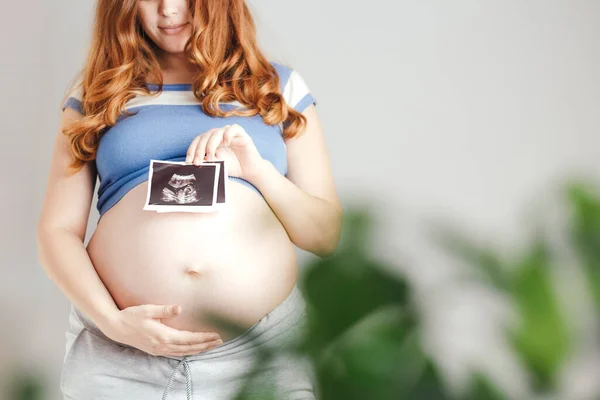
[[141, 327]]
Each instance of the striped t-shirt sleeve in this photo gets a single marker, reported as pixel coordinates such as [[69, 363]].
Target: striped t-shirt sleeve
[[296, 92], [74, 98]]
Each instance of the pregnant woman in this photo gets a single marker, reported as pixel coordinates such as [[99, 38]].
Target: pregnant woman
[[184, 80]]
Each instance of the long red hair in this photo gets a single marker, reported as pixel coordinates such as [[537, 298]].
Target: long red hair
[[223, 47]]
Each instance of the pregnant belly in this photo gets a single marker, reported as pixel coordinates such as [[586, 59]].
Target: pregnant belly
[[237, 263]]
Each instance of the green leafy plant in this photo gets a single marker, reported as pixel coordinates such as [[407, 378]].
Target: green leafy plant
[[543, 339]]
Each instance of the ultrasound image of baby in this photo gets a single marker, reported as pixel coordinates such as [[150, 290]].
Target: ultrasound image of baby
[[184, 191], [180, 186]]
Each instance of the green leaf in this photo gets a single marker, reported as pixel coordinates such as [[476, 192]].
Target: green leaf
[[378, 358], [483, 389], [341, 289], [542, 338], [585, 232], [429, 386], [488, 263]]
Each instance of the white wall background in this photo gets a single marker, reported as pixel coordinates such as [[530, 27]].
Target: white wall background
[[466, 111]]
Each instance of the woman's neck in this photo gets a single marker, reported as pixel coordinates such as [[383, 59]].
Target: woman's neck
[[176, 68]]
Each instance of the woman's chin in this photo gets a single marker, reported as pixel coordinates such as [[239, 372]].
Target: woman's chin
[[174, 46]]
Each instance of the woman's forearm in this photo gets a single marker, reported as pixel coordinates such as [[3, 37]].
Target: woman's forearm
[[67, 263], [313, 224]]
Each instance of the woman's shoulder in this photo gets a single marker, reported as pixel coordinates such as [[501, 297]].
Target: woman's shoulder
[[282, 69], [293, 86], [73, 96], [285, 72]]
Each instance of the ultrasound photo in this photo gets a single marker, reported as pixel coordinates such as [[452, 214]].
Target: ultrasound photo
[[178, 186], [221, 194]]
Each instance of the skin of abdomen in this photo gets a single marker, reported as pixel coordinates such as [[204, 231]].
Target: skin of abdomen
[[237, 262]]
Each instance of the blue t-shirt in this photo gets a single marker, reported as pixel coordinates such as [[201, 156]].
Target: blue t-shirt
[[164, 126]]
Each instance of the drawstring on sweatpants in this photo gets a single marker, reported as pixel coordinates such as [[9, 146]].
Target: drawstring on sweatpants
[[188, 379]]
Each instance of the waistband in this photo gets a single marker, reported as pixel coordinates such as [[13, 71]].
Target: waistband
[[286, 314], [290, 308]]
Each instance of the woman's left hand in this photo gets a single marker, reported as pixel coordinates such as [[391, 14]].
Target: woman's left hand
[[230, 143]]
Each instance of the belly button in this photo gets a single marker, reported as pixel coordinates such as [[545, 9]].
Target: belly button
[[194, 271]]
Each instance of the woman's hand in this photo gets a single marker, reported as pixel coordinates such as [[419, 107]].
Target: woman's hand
[[230, 143], [141, 327]]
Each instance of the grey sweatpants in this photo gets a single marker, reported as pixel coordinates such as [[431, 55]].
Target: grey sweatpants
[[98, 368]]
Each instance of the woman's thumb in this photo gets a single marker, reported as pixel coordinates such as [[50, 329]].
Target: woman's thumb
[[166, 311]]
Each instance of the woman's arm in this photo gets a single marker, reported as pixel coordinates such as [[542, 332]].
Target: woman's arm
[[61, 233], [305, 201]]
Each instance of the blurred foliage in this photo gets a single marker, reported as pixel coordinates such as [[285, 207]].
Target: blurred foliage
[[585, 232], [542, 338], [25, 385], [364, 333]]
